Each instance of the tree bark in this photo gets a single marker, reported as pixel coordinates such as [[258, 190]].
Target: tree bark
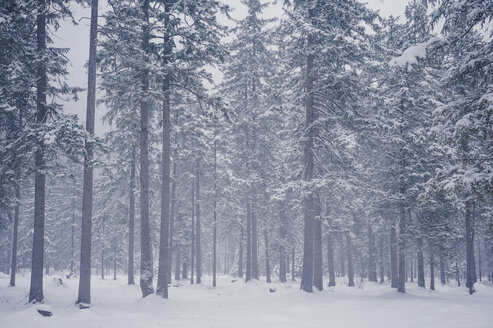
[[309, 213], [15, 233], [254, 243], [350, 268], [267, 260], [240, 255], [317, 247], [293, 276], [36, 288], [162, 279], [421, 266], [248, 276], [192, 261], [432, 268], [382, 268], [214, 233], [197, 215], [471, 266], [330, 259], [401, 287], [146, 267], [131, 222], [282, 242], [443, 279], [394, 272], [372, 266], [172, 248]]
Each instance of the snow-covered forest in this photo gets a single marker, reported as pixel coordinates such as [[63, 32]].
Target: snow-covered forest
[[323, 164]]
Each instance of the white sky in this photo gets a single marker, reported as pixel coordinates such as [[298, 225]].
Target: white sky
[[77, 39]]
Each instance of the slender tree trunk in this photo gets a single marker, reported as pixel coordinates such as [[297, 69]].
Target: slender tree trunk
[[184, 271], [479, 259], [457, 275], [443, 279], [309, 213], [214, 233], [172, 248], [86, 234], [248, 276], [432, 268], [401, 287], [372, 266], [254, 244], [267, 260], [114, 260], [240, 255], [36, 288], [15, 234], [421, 266], [146, 267], [350, 268], [341, 257], [197, 214], [192, 261], [317, 247], [394, 272], [131, 222], [471, 266], [330, 259], [164, 252], [282, 246], [102, 262], [293, 276], [382, 268], [72, 231], [177, 261]]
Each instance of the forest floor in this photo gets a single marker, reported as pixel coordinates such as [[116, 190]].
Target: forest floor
[[236, 304]]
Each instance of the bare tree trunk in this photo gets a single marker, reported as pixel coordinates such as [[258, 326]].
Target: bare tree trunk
[[432, 268], [36, 288], [146, 267], [248, 276], [317, 247], [372, 266], [254, 243], [350, 268], [240, 255], [214, 237], [192, 261], [330, 259], [177, 261], [114, 259], [341, 257], [267, 260], [15, 234], [382, 268], [471, 266], [172, 247], [72, 231], [401, 287], [421, 266], [102, 262], [443, 279], [293, 276], [394, 271], [131, 222], [198, 238], [162, 279], [282, 246], [309, 213]]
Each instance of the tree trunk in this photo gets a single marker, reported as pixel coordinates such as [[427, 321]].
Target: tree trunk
[[72, 231], [267, 260], [394, 272], [350, 268], [131, 222], [372, 266], [443, 279], [15, 234], [214, 233], [172, 247], [248, 276], [401, 287], [240, 255], [254, 244], [382, 268], [197, 237], [162, 279], [36, 288], [471, 266], [330, 259], [309, 213], [114, 260], [432, 268], [421, 266], [282, 246], [341, 257], [192, 262], [293, 277], [317, 247], [177, 262]]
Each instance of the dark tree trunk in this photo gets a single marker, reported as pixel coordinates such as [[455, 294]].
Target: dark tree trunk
[[86, 234], [309, 213], [36, 288], [193, 234], [172, 247], [342, 258], [457, 275], [267, 260], [350, 268], [401, 287], [432, 268], [471, 266], [282, 244], [72, 231], [131, 222], [317, 247], [197, 237], [421, 266], [443, 279], [254, 244], [214, 233], [114, 260], [162, 279], [177, 261], [293, 276], [184, 271], [15, 233], [372, 266], [102, 262], [330, 259], [240, 255], [248, 276], [479, 259], [382, 268], [394, 271]]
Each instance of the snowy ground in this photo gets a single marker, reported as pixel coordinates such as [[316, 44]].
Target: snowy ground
[[235, 304]]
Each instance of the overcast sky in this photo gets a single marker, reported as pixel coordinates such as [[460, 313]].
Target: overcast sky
[[76, 38]]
